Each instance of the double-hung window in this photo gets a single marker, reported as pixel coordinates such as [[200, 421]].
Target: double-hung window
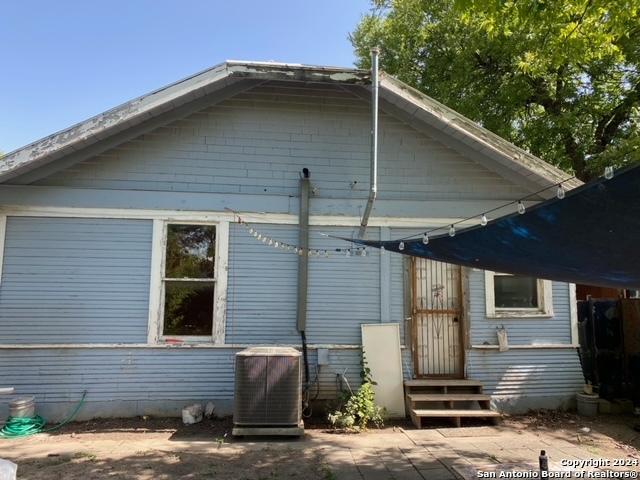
[[517, 296], [189, 281]]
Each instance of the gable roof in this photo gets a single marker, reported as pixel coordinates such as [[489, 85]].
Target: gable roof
[[223, 77]]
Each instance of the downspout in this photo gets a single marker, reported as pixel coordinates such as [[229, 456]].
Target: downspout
[[303, 269], [373, 176]]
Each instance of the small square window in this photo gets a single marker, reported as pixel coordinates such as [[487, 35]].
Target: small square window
[[514, 291], [514, 296]]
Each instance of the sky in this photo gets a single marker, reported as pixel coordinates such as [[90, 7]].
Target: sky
[[63, 62]]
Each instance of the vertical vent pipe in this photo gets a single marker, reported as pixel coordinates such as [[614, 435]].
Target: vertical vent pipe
[[303, 268], [373, 175]]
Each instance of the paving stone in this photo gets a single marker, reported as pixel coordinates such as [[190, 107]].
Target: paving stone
[[437, 474], [421, 459], [513, 455], [341, 463], [420, 436], [472, 432], [557, 455], [558, 442], [471, 472], [400, 467], [370, 466], [576, 452]]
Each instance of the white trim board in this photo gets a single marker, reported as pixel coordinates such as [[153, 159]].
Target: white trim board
[[3, 233], [155, 286], [573, 313], [541, 346], [46, 346], [207, 216], [313, 346], [222, 268]]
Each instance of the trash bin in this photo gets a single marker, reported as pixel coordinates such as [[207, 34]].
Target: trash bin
[[587, 404]]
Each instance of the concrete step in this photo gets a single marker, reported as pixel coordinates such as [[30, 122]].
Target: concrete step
[[448, 397]]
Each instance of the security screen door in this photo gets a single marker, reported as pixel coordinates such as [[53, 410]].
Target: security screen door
[[437, 319]]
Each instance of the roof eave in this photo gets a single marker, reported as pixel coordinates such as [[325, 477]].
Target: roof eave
[[148, 106], [431, 111]]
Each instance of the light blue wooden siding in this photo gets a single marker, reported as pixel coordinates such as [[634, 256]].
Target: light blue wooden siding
[[341, 363], [344, 362], [344, 292], [520, 331], [258, 141], [57, 375], [533, 373], [137, 381], [75, 280], [262, 287]]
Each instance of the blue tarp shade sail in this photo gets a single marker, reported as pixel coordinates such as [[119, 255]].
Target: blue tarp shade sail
[[592, 236]]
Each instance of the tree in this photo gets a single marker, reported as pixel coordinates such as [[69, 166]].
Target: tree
[[560, 78]]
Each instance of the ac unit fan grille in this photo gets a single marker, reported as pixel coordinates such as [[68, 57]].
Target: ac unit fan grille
[[267, 390]]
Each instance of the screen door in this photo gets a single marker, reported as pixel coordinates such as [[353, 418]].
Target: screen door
[[437, 319]]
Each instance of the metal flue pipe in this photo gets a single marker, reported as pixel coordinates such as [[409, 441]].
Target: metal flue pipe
[[303, 241], [373, 175], [303, 271]]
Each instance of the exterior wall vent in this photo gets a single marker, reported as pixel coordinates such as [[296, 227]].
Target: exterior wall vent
[[268, 388]]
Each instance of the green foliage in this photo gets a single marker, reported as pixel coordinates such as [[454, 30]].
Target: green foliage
[[359, 409], [327, 473], [365, 372], [559, 78], [190, 251]]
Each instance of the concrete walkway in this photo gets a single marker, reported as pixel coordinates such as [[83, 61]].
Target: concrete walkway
[[462, 452], [393, 453]]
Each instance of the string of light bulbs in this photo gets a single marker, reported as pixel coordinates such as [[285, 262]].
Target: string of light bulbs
[[288, 247], [362, 251], [484, 220]]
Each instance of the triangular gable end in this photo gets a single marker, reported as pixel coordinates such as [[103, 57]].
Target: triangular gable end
[[144, 114]]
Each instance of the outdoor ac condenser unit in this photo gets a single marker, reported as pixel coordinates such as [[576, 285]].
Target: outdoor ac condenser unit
[[268, 392]]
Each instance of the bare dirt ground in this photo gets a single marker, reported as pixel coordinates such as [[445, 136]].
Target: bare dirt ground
[[613, 433], [165, 449]]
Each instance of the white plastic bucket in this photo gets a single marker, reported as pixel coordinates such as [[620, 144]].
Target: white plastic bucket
[[23, 407], [7, 470], [587, 404]]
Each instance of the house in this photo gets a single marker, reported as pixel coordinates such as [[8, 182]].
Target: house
[[123, 273]]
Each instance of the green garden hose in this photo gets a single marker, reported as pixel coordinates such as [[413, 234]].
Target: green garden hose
[[24, 426]]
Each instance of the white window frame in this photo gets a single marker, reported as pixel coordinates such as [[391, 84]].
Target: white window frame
[[158, 280], [543, 310]]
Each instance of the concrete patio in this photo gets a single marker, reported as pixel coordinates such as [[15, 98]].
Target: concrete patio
[[391, 453]]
